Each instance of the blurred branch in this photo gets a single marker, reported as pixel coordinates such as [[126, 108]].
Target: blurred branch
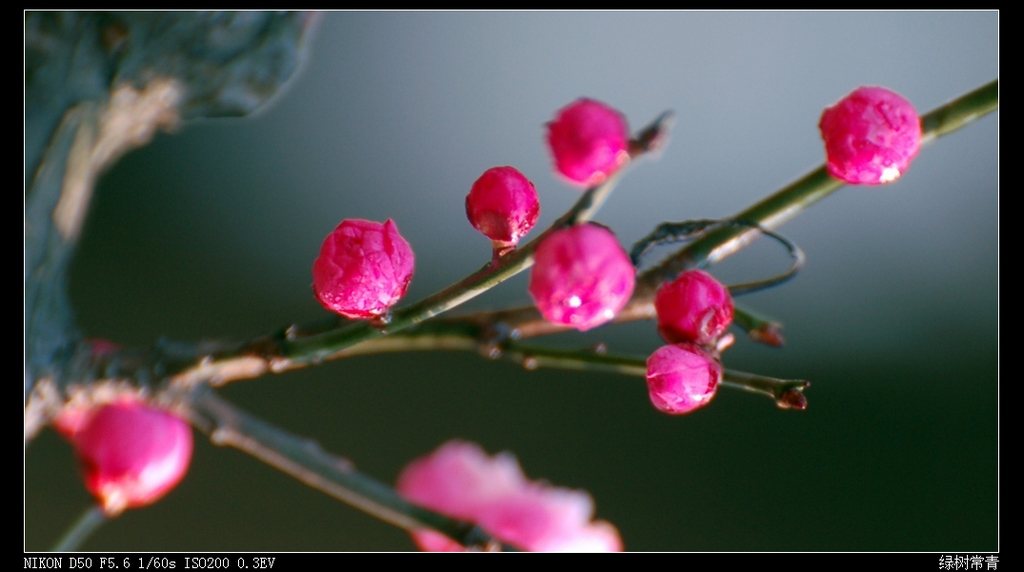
[[82, 529], [305, 460], [97, 85]]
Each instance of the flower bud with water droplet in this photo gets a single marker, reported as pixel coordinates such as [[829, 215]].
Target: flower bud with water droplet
[[870, 136], [581, 277]]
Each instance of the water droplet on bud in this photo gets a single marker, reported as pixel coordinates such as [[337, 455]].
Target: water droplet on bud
[[381, 320], [725, 342]]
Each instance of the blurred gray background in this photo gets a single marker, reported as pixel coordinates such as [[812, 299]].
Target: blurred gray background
[[212, 232]]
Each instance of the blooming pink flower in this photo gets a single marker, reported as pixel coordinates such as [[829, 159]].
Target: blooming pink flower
[[682, 377], [131, 454], [460, 480], [503, 205], [364, 268], [693, 308], [589, 141], [581, 277], [870, 136]]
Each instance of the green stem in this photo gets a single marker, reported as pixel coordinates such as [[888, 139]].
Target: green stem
[[307, 462], [960, 112], [458, 337], [82, 529], [593, 359], [785, 392]]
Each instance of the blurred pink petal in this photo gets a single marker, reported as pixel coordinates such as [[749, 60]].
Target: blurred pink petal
[[460, 480]]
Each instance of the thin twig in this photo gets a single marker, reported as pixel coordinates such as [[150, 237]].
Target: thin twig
[[88, 523]]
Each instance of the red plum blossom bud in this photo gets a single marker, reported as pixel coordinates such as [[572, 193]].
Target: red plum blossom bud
[[131, 454], [581, 277], [363, 269], [589, 141], [503, 205], [870, 136], [459, 479], [693, 308], [682, 377]]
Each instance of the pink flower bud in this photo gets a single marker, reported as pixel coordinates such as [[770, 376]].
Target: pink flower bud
[[131, 454], [460, 480], [870, 136], [363, 269], [682, 377], [589, 141], [503, 205], [693, 308], [581, 277]]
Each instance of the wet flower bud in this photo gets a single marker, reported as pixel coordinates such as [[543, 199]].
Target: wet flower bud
[[131, 454], [682, 377], [589, 141], [459, 479], [363, 269], [581, 277], [870, 136], [503, 205], [693, 308]]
